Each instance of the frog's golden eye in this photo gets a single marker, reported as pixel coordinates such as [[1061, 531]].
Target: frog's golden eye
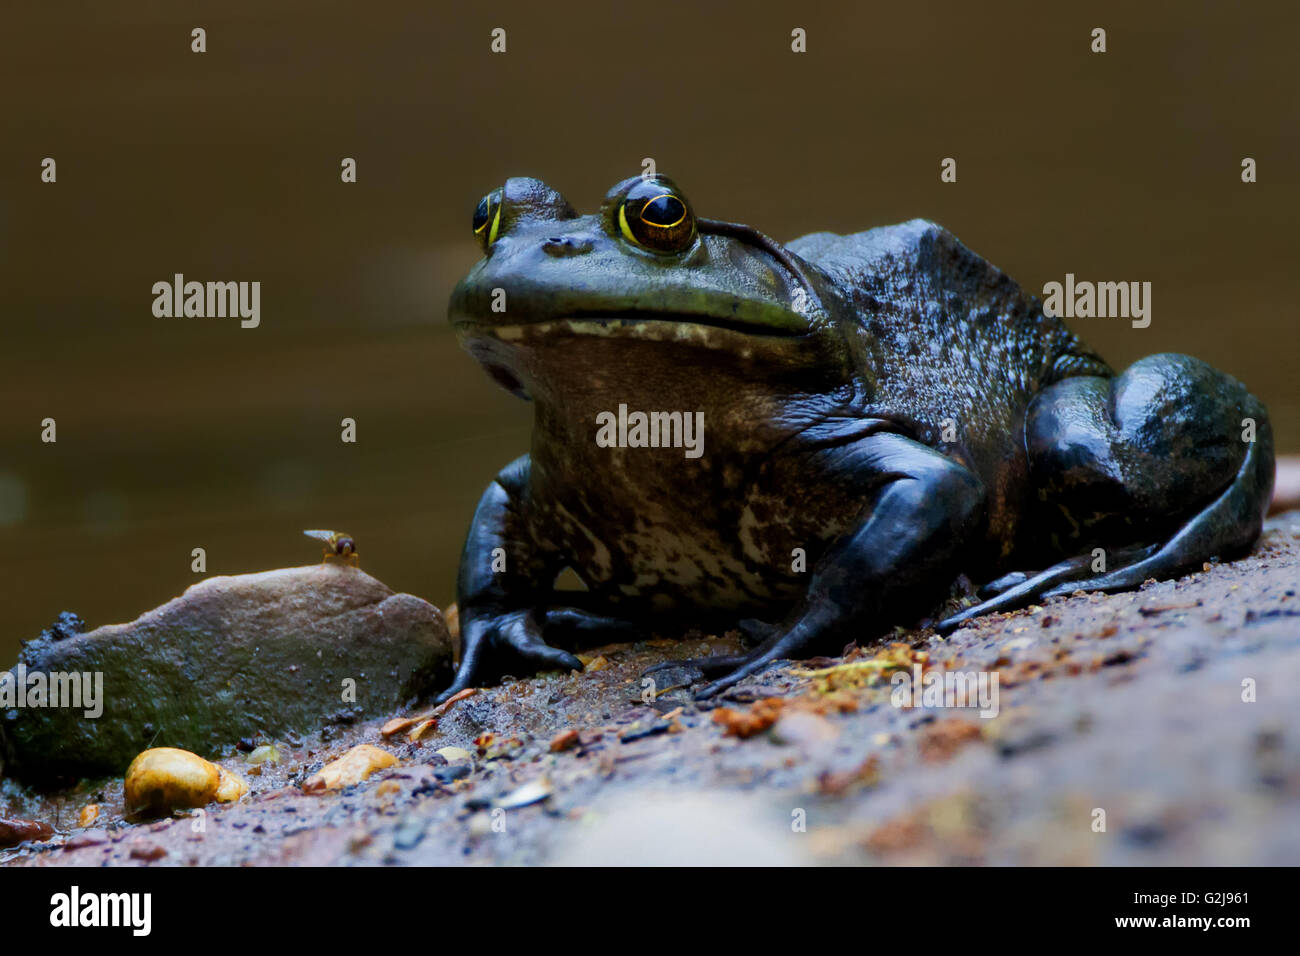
[[654, 215], [487, 219]]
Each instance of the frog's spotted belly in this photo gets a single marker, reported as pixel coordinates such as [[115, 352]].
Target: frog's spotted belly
[[666, 562]]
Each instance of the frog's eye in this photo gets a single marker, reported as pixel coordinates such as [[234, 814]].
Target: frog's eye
[[487, 219], [655, 215]]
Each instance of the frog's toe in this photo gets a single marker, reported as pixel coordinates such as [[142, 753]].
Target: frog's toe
[[543, 657], [753, 631], [552, 658], [718, 686], [1004, 583], [571, 624], [521, 633], [1018, 594], [699, 667], [783, 644], [475, 642], [779, 647], [753, 665], [1135, 565]]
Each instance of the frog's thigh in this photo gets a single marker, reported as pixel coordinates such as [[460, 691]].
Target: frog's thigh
[[1157, 463], [1152, 450]]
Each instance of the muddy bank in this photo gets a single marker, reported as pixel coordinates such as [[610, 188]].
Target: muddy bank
[[1153, 727]]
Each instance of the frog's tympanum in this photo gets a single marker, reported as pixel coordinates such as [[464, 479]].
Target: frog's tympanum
[[811, 441]]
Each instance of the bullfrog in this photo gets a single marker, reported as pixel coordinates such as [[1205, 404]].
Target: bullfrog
[[810, 441]]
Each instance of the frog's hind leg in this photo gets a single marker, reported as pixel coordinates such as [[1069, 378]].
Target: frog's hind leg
[[1161, 456], [1023, 588], [753, 631]]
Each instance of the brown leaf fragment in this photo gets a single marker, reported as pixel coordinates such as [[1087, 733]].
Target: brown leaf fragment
[[943, 738], [396, 726], [565, 740], [446, 705], [147, 852], [422, 728], [837, 783], [746, 723], [14, 831]]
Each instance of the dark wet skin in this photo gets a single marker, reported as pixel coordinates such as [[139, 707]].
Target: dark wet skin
[[883, 412]]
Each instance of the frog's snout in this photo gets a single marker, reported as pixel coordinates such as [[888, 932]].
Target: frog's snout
[[561, 247]]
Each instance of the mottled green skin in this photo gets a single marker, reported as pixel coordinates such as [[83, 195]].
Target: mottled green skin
[[800, 357]]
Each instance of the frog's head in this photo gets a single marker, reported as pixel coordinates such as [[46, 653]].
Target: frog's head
[[639, 285]]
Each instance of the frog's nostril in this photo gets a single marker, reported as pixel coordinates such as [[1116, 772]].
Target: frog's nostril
[[560, 246]]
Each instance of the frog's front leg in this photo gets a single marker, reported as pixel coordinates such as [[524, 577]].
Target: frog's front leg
[[924, 508], [504, 584]]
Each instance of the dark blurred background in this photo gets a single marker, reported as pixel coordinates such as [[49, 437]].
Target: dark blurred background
[[183, 433]]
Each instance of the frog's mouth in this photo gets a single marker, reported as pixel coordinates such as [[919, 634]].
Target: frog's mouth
[[652, 324], [522, 357], [658, 321]]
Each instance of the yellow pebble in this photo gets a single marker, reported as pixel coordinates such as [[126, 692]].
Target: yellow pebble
[[164, 779], [353, 767]]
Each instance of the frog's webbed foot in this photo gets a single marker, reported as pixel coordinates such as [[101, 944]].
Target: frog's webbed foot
[[754, 632], [697, 667], [516, 642], [1016, 590], [780, 646], [521, 634], [724, 670], [576, 625], [773, 644], [1166, 438], [507, 622]]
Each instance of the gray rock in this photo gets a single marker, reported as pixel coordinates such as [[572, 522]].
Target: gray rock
[[232, 657]]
